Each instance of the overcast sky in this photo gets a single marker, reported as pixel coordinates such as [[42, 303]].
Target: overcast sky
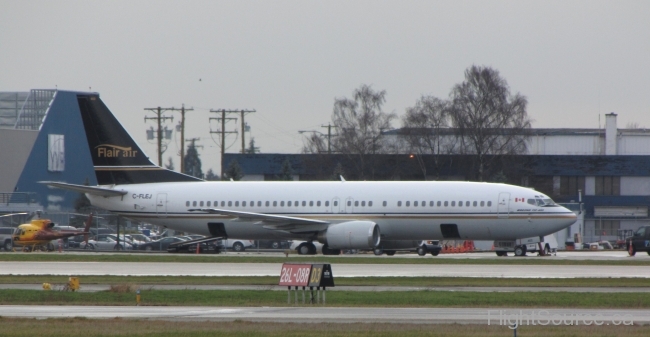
[[289, 60]]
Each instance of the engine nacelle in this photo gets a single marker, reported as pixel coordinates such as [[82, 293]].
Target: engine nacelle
[[351, 235]]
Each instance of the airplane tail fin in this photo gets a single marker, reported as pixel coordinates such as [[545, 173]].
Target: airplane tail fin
[[116, 157]]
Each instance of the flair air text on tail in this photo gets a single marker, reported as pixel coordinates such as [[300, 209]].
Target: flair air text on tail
[[342, 215]]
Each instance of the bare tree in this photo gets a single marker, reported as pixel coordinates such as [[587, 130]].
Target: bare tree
[[359, 122], [423, 126], [315, 143], [489, 119]]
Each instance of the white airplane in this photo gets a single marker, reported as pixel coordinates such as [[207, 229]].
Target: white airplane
[[377, 215]]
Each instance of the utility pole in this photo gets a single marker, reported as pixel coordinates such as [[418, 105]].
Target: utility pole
[[243, 129], [182, 110], [159, 118], [329, 136], [223, 131]]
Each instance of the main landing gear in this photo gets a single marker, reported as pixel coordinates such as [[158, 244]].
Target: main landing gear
[[306, 248]]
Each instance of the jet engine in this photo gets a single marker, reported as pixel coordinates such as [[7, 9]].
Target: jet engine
[[351, 235]]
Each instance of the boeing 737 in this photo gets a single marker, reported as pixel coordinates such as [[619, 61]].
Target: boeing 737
[[376, 215]]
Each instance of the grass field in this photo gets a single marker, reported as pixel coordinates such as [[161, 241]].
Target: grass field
[[78, 327], [414, 299], [346, 259], [343, 281]]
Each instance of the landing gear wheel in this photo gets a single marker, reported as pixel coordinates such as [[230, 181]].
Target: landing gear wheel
[[238, 246], [390, 252], [378, 251], [520, 251], [306, 248], [422, 251]]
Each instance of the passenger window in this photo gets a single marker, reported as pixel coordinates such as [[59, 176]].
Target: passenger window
[[282, 204], [439, 202], [275, 204], [304, 203], [384, 203], [311, 204], [201, 203], [356, 203], [474, 203], [327, 203], [318, 203], [252, 203], [424, 203], [288, 203], [223, 203], [243, 203], [229, 203], [259, 204], [208, 203], [349, 203], [215, 203], [363, 204], [267, 204], [415, 204], [296, 203], [194, 203], [187, 203], [399, 204], [430, 203], [369, 203], [446, 203], [482, 203], [489, 203], [336, 202], [236, 203], [467, 203], [460, 204]]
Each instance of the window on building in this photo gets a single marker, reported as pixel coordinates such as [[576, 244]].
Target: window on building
[[543, 184], [608, 185], [607, 227], [569, 185]]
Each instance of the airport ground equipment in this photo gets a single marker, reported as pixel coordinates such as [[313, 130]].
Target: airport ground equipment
[[544, 245], [431, 246], [312, 275], [213, 244], [640, 242]]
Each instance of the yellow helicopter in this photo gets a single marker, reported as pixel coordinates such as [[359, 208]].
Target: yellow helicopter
[[39, 232]]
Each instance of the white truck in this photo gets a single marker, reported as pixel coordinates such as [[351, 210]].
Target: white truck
[[545, 245]]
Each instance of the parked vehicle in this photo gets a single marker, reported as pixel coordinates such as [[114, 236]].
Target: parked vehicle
[[640, 242], [238, 245], [274, 244], [160, 244], [105, 242], [6, 241]]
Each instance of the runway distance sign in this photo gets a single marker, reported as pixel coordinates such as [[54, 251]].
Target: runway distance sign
[[306, 274]]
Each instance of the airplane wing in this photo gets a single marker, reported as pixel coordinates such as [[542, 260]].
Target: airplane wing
[[94, 190], [269, 221]]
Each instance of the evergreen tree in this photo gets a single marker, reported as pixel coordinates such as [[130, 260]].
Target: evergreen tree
[[251, 147], [170, 164], [193, 162], [338, 172], [286, 174], [233, 171], [211, 176]]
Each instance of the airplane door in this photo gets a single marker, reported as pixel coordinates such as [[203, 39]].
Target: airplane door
[[335, 206], [349, 205], [161, 204], [503, 208]]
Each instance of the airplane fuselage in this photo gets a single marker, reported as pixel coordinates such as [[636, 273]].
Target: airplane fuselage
[[402, 210]]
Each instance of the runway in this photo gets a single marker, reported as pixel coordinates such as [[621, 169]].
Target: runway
[[339, 270], [307, 314]]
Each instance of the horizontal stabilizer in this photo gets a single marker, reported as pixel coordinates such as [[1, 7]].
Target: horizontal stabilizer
[[94, 190]]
